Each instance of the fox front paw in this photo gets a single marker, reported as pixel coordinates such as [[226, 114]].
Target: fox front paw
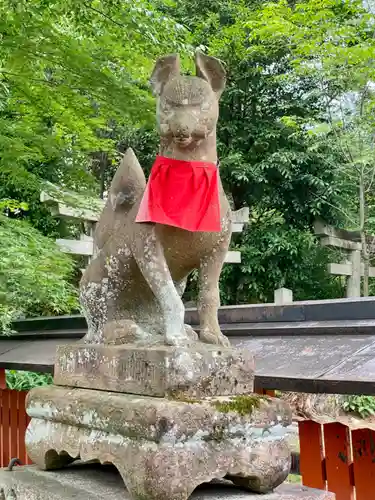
[[209, 337]]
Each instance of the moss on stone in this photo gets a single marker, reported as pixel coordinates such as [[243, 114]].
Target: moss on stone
[[243, 405], [181, 398]]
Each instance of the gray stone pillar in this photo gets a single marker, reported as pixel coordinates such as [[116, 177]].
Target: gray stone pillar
[[353, 286]]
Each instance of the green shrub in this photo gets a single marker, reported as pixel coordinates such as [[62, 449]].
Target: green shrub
[[34, 274], [24, 381], [364, 406]]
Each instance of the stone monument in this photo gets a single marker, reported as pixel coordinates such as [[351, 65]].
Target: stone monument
[[168, 407]]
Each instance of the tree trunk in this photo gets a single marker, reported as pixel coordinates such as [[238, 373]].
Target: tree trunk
[[102, 168]]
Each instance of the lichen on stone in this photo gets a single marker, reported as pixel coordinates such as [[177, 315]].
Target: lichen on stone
[[243, 405]]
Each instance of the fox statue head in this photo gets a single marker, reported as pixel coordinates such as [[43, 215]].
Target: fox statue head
[[187, 106]]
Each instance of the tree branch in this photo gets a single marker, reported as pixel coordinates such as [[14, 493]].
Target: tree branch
[[338, 209], [106, 16]]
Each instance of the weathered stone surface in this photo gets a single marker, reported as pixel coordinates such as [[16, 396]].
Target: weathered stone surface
[[133, 286], [201, 371], [163, 449], [158, 419], [164, 471], [99, 483]]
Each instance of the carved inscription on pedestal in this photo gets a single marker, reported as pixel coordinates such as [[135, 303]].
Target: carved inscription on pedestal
[[156, 371]]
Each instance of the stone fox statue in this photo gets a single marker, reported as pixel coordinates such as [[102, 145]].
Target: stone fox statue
[[131, 291]]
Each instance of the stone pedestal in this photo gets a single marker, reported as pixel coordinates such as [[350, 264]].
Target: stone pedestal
[[204, 370], [166, 446], [93, 483]]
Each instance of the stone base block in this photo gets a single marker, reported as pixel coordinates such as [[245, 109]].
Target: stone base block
[[101, 483], [201, 371], [164, 449]]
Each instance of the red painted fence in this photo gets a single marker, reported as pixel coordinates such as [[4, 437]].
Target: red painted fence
[[333, 457], [13, 423]]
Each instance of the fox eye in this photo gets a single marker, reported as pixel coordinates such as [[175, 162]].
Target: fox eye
[[165, 107]]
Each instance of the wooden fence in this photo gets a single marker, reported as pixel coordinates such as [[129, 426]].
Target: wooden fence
[[14, 421], [331, 456], [13, 424]]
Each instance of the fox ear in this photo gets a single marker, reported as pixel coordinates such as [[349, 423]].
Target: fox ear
[[211, 70], [165, 68]]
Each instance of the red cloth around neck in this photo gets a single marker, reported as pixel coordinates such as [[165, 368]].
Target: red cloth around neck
[[183, 194]]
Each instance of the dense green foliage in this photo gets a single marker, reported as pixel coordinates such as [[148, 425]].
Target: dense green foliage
[[34, 274], [267, 158], [286, 148], [73, 77], [276, 255], [74, 94], [72, 85]]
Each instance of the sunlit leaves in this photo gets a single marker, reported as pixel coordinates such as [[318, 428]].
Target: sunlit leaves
[[69, 69]]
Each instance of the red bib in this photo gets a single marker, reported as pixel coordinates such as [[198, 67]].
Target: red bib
[[183, 194]]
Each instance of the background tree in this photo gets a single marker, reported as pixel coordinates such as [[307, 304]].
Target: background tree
[[73, 77], [72, 83], [34, 274], [74, 94], [269, 161], [334, 43]]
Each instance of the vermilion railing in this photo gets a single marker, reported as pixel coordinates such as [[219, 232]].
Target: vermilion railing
[[335, 458], [13, 427], [13, 423]]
